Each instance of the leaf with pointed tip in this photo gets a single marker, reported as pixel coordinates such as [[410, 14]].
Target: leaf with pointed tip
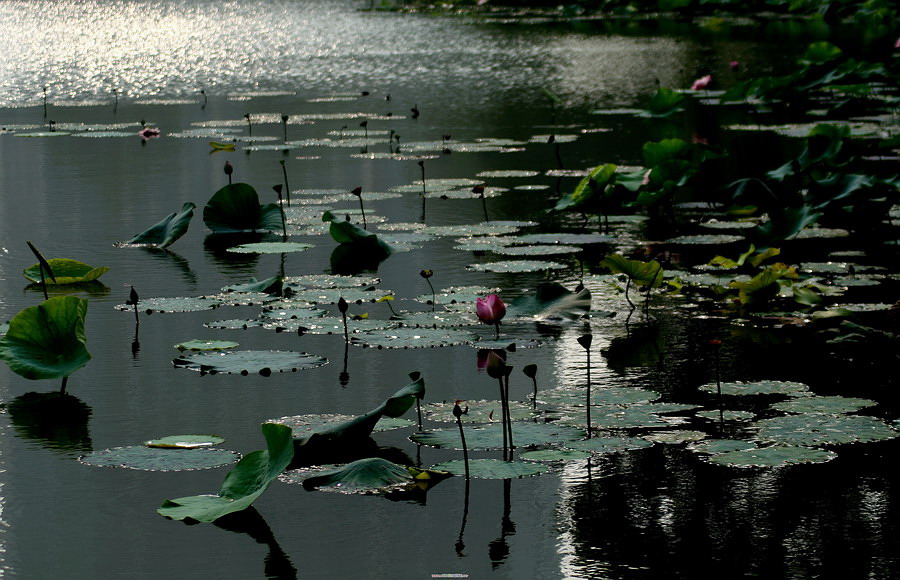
[[236, 208], [170, 229], [640, 273]]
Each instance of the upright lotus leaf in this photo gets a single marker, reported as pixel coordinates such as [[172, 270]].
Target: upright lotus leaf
[[592, 186], [552, 300], [236, 208], [640, 273], [765, 285], [170, 229], [65, 271], [47, 341], [243, 484], [665, 102], [345, 434], [345, 232]]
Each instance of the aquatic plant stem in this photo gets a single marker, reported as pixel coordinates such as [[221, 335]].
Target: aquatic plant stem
[[503, 419], [508, 413], [287, 188], [342, 306], [62, 388], [585, 342], [43, 266], [458, 413], [424, 189]]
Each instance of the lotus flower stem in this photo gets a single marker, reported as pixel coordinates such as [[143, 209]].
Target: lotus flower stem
[[503, 420], [249, 124], [342, 306], [531, 372], [45, 102], [284, 120], [43, 266], [424, 189], [585, 342], [133, 300], [62, 387], [508, 413], [357, 191], [287, 188], [365, 126]]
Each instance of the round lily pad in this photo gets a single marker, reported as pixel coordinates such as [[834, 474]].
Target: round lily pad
[[243, 362], [491, 436], [705, 240], [812, 429], [65, 271], [160, 459], [479, 411], [497, 173], [599, 396], [271, 248], [305, 425], [493, 468], [607, 445], [675, 436], [206, 345], [565, 239], [515, 266], [185, 441], [540, 250], [776, 456], [333, 281], [169, 305], [830, 405], [554, 455], [726, 415], [758, 388], [413, 338], [714, 446]]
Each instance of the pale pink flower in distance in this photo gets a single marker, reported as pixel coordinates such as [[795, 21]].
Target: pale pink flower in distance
[[646, 180], [734, 65], [897, 44], [701, 83]]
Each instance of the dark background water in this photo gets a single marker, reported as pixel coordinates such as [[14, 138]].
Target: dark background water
[[658, 513]]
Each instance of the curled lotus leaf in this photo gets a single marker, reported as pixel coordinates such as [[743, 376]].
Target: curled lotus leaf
[[829, 405], [814, 429], [169, 230], [550, 300], [493, 468], [765, 387], [413, 338], [371, 475], [775, 456], [607, 445], [243, 362], [305, 425], [236, 208], [146, 458], [65, 271]]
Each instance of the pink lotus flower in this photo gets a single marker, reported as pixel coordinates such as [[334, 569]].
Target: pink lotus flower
[[734, 65], [490, 310], [701, 83]]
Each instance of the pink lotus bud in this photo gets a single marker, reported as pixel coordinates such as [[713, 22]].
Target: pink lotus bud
[[490, 310], [701, 83]]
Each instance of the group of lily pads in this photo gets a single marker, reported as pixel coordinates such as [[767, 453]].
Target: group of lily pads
[[565, 422]]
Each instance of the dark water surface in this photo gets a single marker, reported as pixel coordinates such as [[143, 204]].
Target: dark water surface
[[657, 513]]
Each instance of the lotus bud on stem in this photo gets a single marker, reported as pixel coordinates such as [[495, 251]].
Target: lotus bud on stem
[[498, 369], [428, 274], [357, 191], [284, 120], [531, 372], [365, 126], [133, 301], [287, 188], [585, 342], [249, 124], [229, 169], [458, 412], [277, 189], [342, 306], [490, 310]]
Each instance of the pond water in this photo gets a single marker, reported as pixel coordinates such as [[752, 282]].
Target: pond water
[[181, 66]]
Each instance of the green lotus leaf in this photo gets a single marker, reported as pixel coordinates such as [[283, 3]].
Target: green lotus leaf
[[323, 281], [554, 455], [648, 273], [146, 458], [330, 296], [270, 314], [305, 425], [271, 248], [170, 229], [665, 102], [543, 250], [491, 436], [776, 456], [552, 300], [47, 341], [344, 232], [633, 417], [479, 411], [439, 319], [369, 475], [413, 338], [273, 285], [66, 271], [606, 445], [564, 238], [493, 468], [236, 208], [185, 441], [675, 437], [725, 415], [243, 362], [328, 325], [766, 387], [591, 186], [599, 396], [515, 266], [484, 229], [830, 405], [243, 484], [170, 305], [716, 446], [206, 345], [234, 324], [705, 239], [813, 429]]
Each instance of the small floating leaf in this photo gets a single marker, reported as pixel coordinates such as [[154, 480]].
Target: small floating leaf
[[206, 345], [270, 248], [492, 468], [244, 362], [147, 458], [66, 271], [185, 441]]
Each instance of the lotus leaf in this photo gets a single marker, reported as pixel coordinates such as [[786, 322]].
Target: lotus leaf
[[305, 425], [146, 458], [716, 446], [675, 436], [169, 230], [413, 338], [812, 429], [367, 476], [344, 232], [243, 484], [65, 271], [176, 304], [599, 396], [479, 411], [206, 345], [185, 441], [766, 387], [236, 208], [493, 468], [47, 341], [270, 248], [554, 455], [324, 281], [830, 405], [544, 250], [515, 266], [725, 415], [640, 273], [551, 300], [491, 436], [776, 456], [591, 187], [264, 362], [607, 445]]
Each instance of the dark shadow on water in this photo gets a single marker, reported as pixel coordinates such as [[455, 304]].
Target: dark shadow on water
[[179, 262], [59, 421], [277, 563]]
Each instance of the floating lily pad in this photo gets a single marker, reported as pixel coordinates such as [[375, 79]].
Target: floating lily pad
[[493, 468], [776, 456], [554, 455], [159, 459], [303, 426], [271, 314], [705, 240], [498, 173], [439, 319], [515, 266], [413, 338], [206, 345], [812, 429], [491, 436], [323, 281], [607, 445], [264, 362], [40, 134], [331, 296], [830, 405], [479, 411], [542, 250], [821, 233], [185, 441], [271, 248], [169, 305], [758, 388], [725, 415], [599, 396], [372, 475], [675, 437], [484, 229], [65, 271], [233, 324], [715, 446]]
